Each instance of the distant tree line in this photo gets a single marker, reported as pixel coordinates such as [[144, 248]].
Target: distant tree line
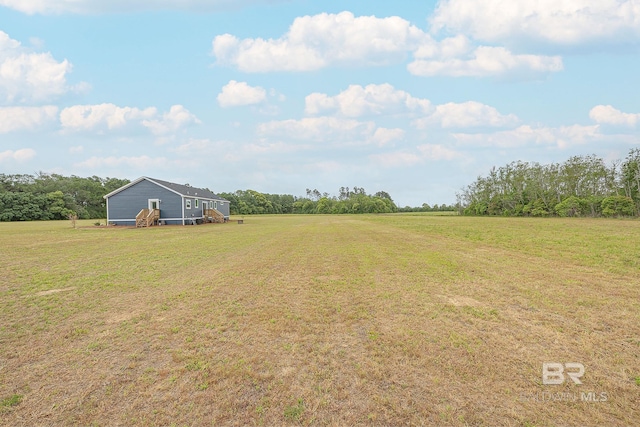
[[356, 200], [427, 208], [581, 186], [45, 196], [51, 196]]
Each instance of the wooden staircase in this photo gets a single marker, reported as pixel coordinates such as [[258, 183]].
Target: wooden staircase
[[147, 217], [213, 215]]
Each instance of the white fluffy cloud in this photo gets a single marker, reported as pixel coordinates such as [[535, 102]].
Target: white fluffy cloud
[[101, 117], [27, 76], [100, 6], [606, 114], [358, 101], [319, 129], [564, 22], [21, 155], [485, 61], [466, 115], [319, 41], [236, 94], [177, 118], [524, 135], [384, 136], [315, 42], [109, 117], [26, 118], [330, 130]]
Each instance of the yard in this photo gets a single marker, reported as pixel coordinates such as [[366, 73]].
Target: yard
[[320, 320]]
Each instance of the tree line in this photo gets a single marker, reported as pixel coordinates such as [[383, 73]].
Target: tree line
[[356, 200], [580, 186], [51, 196], [46, 196]]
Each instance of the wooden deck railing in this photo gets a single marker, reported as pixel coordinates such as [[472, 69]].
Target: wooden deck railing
[[147, 217], [213, 215]]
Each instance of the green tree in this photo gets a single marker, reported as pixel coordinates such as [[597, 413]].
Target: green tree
[[618, 205]]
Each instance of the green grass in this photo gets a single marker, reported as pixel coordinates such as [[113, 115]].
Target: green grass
[[12, 400], [407, 319]]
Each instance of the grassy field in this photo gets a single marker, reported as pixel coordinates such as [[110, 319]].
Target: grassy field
[[320, 320]]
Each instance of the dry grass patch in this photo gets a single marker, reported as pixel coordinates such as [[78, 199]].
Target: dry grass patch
[[319, 320]]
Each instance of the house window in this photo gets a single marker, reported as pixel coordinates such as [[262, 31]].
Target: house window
[[188, 204], [197, 203], [210, 205], [215, 204]]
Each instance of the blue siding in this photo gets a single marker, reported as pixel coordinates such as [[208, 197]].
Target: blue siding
[[224, 208], [126, 204]]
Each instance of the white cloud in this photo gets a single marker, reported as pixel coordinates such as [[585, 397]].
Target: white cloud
[[606, 114], [319, 129], [21, 155], [465, 115], [101, 117], [315, 42], [240, 93], [172, 121], [76, 149], [526, 135], [486, 61], [383, 136], [319, 41], [564, 22], [357, 101], [122, 6], [26, 118], [26, 76]]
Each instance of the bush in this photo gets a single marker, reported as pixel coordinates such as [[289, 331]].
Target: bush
[[571, 206], [618, 206]]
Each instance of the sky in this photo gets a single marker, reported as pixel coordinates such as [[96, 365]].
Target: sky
[[413, 98]]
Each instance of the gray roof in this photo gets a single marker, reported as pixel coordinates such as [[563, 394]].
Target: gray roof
[[184, 190], [187, 190]]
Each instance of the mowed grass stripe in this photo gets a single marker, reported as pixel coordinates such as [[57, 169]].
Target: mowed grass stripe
[[321, 320]]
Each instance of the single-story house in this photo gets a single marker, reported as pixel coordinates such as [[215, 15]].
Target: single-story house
[[149, 201]]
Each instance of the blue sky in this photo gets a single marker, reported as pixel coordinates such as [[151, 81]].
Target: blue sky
[[413, 98]]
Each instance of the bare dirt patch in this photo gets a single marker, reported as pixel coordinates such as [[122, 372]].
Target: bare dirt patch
[[54, 291]]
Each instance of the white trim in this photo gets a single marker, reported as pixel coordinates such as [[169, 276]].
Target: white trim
[[161, 219], [149, 201], [182, 200], [107, 210]]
